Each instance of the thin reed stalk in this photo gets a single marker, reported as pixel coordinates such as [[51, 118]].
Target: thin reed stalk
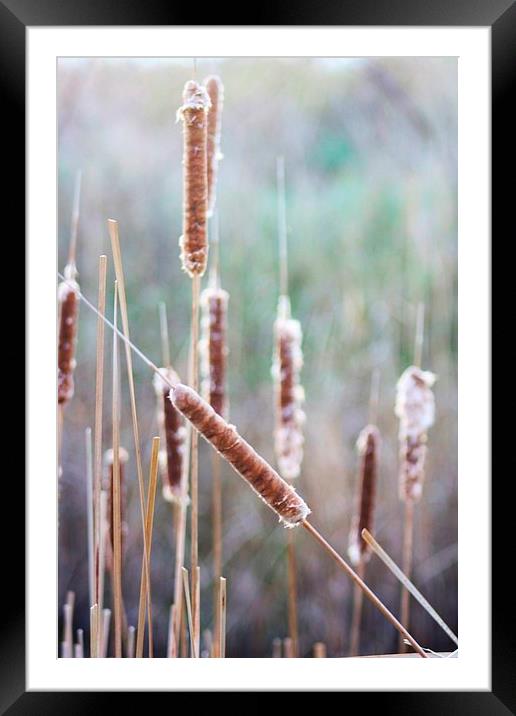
[[149, 520], [116, 504], [320, 650], [99, 392], [89, 515], [367, 591], [119, 271], [130, 642], [188, 603], [106, 624], [221, 639], [94, 631]]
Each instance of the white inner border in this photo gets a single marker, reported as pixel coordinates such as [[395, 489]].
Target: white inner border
[[472, 669]]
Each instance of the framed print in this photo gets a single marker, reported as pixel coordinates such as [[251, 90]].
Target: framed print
[[271, 248]]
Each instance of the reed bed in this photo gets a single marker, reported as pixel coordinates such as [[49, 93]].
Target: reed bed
[[183, 411]]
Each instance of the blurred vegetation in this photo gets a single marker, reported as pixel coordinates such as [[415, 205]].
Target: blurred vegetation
[[371, 158]]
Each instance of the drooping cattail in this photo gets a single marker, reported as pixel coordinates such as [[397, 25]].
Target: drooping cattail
[[286, 367], [173, 438], [123, 457], [213, 348], [415, 407], [68, 297], [368, 446], [215, 90], [194, 241], [274, 491]]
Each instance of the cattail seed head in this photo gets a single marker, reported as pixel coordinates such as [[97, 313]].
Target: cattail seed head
[[415, 407], [368, 447], [286, 367], [194, 241], [173, 438], [123, 457], [68, 297], [215, 90], [274, 491], [213, 348]]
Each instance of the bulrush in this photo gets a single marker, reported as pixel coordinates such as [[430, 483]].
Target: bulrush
[[68, 297], [274, 491], [415, 407], [287, 363], [173, 437], [368, 447], [194, 241], [213, 348], [215, 90], [123, 457]]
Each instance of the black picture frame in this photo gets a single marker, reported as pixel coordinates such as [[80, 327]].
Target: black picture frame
[[500, 15]]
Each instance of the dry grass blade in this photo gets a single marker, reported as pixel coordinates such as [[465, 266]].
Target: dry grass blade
[[106, 624], [130, 642], [171, 642], [188, 603], [116, 506], [367, 591], [222, 618], [89, 514], [149, 519], [99, 392], [405, 581], [94, 631], [119, 271]]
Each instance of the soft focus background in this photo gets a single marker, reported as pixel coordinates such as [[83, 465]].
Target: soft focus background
[[370, 148]]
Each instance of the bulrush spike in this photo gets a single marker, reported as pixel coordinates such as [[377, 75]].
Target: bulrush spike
[[215, 90], [194, 241], [286, 367], [173, 438], [274, 491]]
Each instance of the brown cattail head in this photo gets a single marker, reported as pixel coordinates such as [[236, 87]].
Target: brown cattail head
[[173, 437], [68, 297], [194, 241], [215, 90], [368, 447], [123, 457], [274, 491], [415, 407], [213, 348], [286, 367]]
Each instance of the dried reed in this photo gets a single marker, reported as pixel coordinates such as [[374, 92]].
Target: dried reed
[[221, 637], [215, 90], [145, 593], [276, 648], [194, 241], [99, 392], [115, 492], [275, 492]]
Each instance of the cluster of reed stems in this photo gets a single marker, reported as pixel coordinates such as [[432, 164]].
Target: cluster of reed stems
[[185, 411]]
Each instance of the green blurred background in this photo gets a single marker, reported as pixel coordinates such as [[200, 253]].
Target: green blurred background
[[370, 148]]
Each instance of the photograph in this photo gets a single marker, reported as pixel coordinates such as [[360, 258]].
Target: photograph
[[257, 357]]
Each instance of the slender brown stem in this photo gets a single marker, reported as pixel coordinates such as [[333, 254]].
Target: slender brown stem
[[116, 506], [144, 590], [292, 592], [408, 540], [188, 603], [99, 392], [217, 542], [72, 250], [368, 592], [358, 598], [319, 650], [194, 474], [94, 630], [222, 618], [119, 271], [172, 644]]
